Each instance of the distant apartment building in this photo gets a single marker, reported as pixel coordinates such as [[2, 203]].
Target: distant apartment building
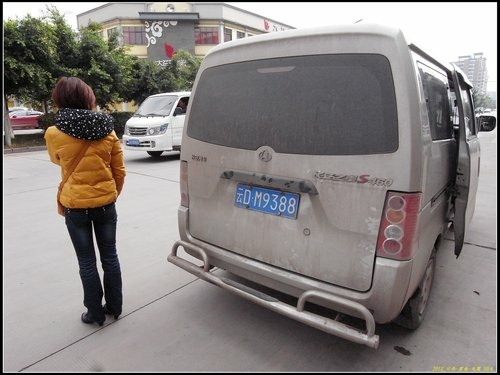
[[474, 66], [156, 30]]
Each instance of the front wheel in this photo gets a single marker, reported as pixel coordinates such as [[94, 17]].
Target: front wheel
[[155, 154], [413, 313]]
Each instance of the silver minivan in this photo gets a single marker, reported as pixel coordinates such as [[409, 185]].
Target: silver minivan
[[320, 169]]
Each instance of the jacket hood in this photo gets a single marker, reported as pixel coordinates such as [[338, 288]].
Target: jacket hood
[[84, 124]]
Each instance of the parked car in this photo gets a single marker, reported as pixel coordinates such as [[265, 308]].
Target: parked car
[[158, 124], [13, 109], [24, 119]]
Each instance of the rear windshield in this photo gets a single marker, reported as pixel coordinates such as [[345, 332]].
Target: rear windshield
[[156, 106], [320, 105]]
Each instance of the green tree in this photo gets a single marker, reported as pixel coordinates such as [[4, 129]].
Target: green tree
[[66, 40], [482, 100], [28, 59], [146, 80], [27, 42], [106, 67], [149, 78], [184, 67], [37, 51]]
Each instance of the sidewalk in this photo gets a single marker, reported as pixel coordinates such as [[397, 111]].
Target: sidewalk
[[19, 134], [172, 322]]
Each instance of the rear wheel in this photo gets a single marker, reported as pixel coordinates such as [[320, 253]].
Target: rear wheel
[[414, 311], [155, 154]]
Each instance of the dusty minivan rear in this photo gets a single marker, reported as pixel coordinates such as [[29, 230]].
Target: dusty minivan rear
[[312, 164]]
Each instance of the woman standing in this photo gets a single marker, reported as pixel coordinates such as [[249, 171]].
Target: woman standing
[[90, 191]]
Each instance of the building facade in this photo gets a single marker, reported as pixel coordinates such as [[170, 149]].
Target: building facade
[[474, 66], [156, 30]]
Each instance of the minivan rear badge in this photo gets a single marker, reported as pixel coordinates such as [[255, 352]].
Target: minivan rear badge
[[361, 179], [265, 154]]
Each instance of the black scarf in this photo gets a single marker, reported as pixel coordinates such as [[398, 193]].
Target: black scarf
[[84, 124]]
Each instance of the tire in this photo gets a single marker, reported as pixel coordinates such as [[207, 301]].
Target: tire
[[155, 154], [413, 313]]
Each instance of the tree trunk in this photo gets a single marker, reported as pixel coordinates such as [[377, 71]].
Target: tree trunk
[[8, 133]]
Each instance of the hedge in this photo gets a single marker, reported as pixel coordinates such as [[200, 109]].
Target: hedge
[[120, 120]]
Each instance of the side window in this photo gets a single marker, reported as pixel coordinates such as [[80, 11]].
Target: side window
[[182, 105], [437, 98]]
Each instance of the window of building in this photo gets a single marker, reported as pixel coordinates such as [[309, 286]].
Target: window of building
[[110, 32], [134, 35], [228, 35], [206, 35], [240, 34]]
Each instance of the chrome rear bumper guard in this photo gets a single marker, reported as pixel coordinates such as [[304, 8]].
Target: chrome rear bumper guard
[[327, 325]]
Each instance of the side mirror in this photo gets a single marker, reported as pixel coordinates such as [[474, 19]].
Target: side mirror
[[178, 111], [486, 123]]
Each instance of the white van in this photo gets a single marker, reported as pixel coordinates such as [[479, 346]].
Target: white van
[[158, 124], [326, 165]]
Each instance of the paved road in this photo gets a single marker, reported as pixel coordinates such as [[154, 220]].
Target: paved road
[[173, 322]]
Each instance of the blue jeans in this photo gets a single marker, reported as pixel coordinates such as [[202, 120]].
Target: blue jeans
[[81, 224]]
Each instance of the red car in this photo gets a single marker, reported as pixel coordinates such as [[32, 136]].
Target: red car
[[24, 119]]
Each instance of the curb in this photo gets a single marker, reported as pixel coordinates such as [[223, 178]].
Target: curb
[[14, 150]]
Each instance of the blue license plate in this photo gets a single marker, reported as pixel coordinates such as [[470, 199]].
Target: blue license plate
[[133, 142], [269, 201]]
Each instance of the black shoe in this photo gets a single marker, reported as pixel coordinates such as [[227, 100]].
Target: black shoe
[[87, 320], [107, 312]]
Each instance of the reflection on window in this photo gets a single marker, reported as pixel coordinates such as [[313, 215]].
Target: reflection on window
[[156, 106], [240, 34], [468, 112], [206, 35], [437, 98], [134, 35], [455, 118]]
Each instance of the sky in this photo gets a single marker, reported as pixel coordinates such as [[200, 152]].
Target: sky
[[445, 30]]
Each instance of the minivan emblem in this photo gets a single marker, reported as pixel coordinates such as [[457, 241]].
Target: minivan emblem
[[265, 155]]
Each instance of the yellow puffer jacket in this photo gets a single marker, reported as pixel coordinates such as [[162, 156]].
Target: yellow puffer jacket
[[99, 176]]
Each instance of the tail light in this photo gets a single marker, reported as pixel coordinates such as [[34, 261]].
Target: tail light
[[398, 226], [184, 184]]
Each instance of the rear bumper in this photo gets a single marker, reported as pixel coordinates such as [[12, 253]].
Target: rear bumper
[[381, 304], [298, 313]]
